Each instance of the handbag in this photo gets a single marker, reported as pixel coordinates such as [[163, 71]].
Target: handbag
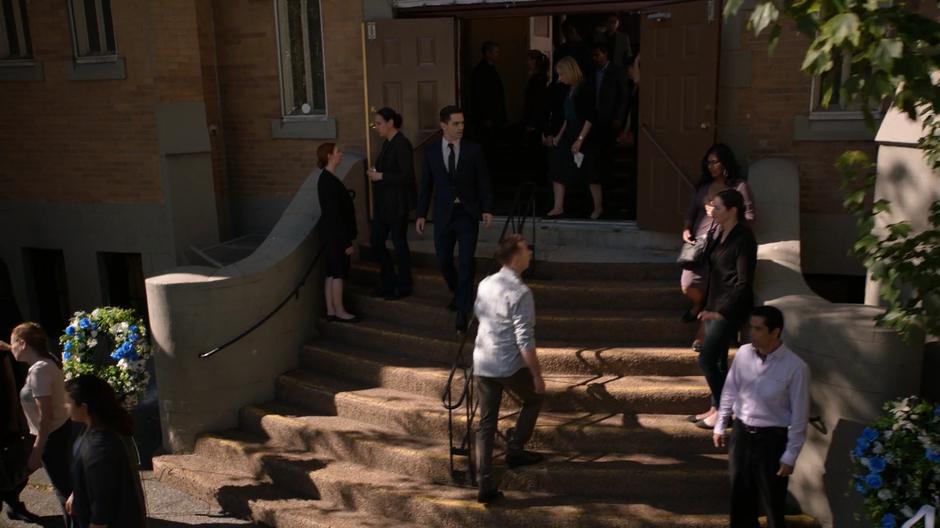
[[691, 255], [14, 458]]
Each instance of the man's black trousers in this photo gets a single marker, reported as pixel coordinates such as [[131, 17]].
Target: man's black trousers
[[397, 230], [754, 459]]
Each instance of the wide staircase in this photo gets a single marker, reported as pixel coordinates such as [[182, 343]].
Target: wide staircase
[[357, 436]]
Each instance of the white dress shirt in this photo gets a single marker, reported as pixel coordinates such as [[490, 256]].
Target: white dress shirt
[[771, 392], [445, 150], [506, 311]]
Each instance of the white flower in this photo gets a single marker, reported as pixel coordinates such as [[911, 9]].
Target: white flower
[[907, 512], [92, 343], [95, 312], [877, 448], [887, 433], [885, 494]]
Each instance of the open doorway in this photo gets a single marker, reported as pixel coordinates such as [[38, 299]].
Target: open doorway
[[515, 102]]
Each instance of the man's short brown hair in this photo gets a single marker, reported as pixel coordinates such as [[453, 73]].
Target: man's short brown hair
[[508, 248]]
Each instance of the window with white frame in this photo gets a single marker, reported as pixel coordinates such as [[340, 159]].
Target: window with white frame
[[92, 29], [300, 44], [14, 31]]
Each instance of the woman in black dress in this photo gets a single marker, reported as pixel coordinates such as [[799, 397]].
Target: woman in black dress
[[338, 218], [393, 196], [572, 141], [732, 260], [106, 489]]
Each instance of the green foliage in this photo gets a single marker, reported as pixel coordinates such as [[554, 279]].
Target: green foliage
[[893, 52]]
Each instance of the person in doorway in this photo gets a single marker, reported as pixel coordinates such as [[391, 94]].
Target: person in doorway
[[504, 358], [732, 261], [338, 216], [43, 401], [106, 488], [574, 46], [486, 99], [719, 171], [621, 52], [571, 157], [12, 380], [393, 184], [457, 175], [767, 390], [535, 113], [611, 105]]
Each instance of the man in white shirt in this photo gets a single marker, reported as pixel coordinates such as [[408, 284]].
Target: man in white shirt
[[504, 359], [767, 389]]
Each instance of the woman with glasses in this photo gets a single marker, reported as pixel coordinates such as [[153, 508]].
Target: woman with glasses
[[720, 171]]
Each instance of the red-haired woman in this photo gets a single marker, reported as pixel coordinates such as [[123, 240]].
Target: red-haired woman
[[338, 220]]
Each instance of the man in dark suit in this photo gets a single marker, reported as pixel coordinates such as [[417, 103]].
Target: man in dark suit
[[612, 99], [486, 98], [456, 172]]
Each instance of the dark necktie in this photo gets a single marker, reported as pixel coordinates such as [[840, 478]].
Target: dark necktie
[[451, 161]]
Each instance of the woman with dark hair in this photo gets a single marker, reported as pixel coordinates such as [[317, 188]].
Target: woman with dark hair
[[720, 171], [105, 471], [571, 158], [43, 402], [15, 427], [732, 260], [338, 217], [393, 196]]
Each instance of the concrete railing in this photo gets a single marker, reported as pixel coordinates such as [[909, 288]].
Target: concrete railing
[[855, 365], [195, 309]]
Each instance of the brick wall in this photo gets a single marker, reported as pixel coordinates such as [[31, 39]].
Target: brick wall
[[81, 141], [258, 165], [778, 91]]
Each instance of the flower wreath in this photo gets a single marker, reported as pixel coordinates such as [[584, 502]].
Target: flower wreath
[[112, 344], [897, 463]]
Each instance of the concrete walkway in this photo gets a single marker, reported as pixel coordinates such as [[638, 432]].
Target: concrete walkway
[[167, 507]]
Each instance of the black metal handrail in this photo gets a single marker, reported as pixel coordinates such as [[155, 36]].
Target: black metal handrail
[[295, 293], [516, 222]]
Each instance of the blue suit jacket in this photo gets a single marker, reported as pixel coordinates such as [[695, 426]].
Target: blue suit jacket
[[471, 183]]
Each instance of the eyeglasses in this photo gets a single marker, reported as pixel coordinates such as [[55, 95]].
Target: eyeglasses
[[711, 163]]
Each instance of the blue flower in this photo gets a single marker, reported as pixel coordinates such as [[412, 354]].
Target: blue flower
[[860, 487], [68, 345], [127, 347], [133, 329], [933, 456], [876, 464], [862, 443], [116, 355], [84, 323], [70, 330], [132, 337], [888, 521], [66, 355], [870, 434], [858, 452], [874, 481]]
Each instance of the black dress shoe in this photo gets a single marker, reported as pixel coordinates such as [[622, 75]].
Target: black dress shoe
[[353, 319], [462, 321], [523, 458], [702, 425], [488, 496], [18, 512]]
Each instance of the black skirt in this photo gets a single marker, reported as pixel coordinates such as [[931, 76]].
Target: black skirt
[[337, 261]]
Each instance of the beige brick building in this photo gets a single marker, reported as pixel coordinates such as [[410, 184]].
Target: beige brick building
[[132, 132]]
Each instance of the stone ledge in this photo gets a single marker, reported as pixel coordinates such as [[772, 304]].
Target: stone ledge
[[21, 71], [314, 128], [96, 71], [806, 128]]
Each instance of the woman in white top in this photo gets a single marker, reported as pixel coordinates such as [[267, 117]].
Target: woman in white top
[[43, 400]]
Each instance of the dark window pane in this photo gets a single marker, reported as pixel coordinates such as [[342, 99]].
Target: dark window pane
[[316, 55], [27, 38], [10, 28], [297, 59], [108, 24], [46, 268], [91, 26]]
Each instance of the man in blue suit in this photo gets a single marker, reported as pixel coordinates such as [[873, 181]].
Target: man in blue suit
[[456, 172]]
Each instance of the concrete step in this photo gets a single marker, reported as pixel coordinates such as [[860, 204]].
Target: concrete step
[[597, 264], [644, 478], [398, 344], [582, 327], [623, 294], [567, 393], [241, 493], [387, 499], [424, 418]]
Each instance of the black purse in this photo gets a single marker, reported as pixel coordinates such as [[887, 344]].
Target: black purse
[[691, 255]]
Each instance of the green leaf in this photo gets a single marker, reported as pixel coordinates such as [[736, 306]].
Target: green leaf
[[880, 206], [774, 39], [886, 52], [843, 27], [763, 16]]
